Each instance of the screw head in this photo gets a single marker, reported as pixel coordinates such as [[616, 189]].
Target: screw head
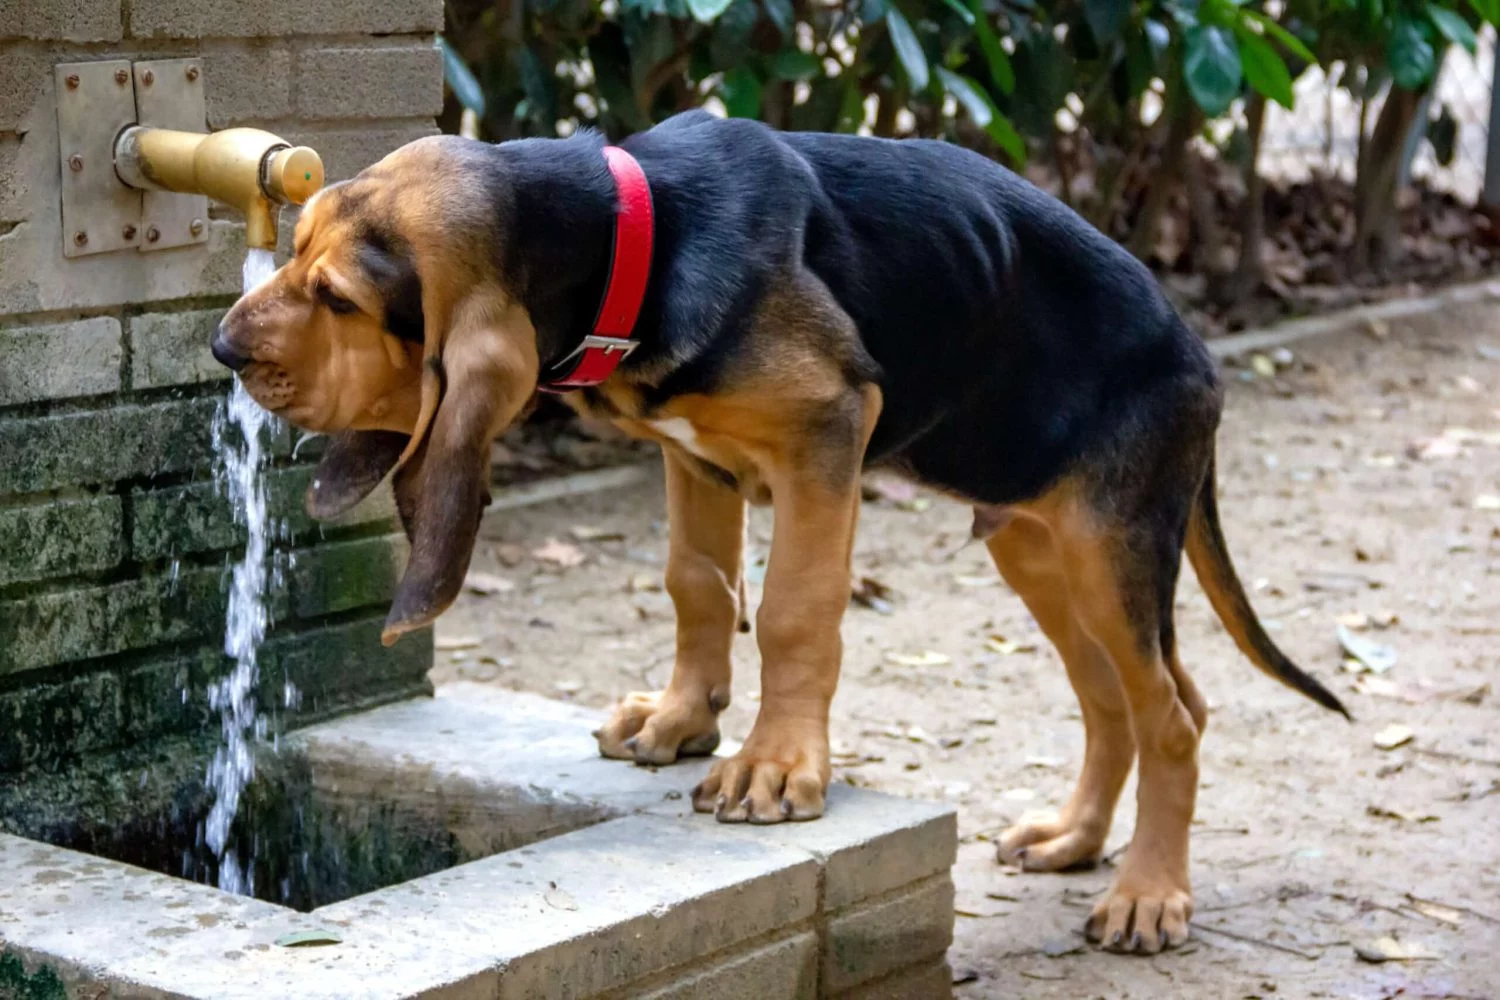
[[152, 234], [72, 81], [75, 163], [192, 72], [148, 78], [129, 231], [122, 77], [196, 228], [80, 239]]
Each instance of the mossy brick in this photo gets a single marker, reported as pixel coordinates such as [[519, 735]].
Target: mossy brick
[[60, 538], [403, 81], [78, 21], [44, 723], [232, 18], [101, 446], [170, 697], [172, 349], [871, 940], [342, 666], [247, 81], [342, 576], [60, 360]]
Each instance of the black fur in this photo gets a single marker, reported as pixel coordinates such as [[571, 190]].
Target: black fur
[[387, 260]]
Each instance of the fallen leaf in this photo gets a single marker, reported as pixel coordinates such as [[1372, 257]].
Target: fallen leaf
[[587, 533], [488, 584], [976, 581], [1018, 794], [1442, 914], [964, 974], [1386, 812], [559, 554], [1489, 353], [510, 555], [559, 900], [1388, 949], [1487, 501], [1393, 736], [1380, 687], [644, 583], [870, 593], [1040, 761], [568, 687], [445, 642], [1473, 696], [1058, 947], [308, 939], [1262, 365], [1358, 621], [926, 658], [1371, 655], [997, 643]]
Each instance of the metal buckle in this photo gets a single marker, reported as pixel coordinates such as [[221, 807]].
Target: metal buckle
[[610, 345]]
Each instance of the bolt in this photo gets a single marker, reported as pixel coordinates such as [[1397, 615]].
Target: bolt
[[80, 239], [152, 234], [148, 78], [75, 163], [192, 73], [196, 228], [128, 232], [122, 77], [72, 81]]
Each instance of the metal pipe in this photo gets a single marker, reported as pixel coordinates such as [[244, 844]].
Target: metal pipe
[[246, 168]]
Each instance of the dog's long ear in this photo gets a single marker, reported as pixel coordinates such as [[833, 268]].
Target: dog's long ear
[[352, 466], [483, 375]]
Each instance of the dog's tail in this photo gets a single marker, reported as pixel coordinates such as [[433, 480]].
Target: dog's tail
[[1210, 558]]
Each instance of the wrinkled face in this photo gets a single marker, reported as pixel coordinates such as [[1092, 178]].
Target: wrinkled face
[[333, 340]]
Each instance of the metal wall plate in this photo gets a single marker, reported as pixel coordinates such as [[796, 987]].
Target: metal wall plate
[[169, 94], [95, 100]]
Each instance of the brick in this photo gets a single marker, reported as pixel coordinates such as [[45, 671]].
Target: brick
[[339, 667], [347, 152], [231, 18], [876, 939], [386, 82], [25, 81], [60, 538], [172, 349], [43, 723], [247, 81], [784, 970], [170, 697], [196, 518], [342, 576], [81, 21], [63, 626], [931, 980], [101, 446], [81, 358]]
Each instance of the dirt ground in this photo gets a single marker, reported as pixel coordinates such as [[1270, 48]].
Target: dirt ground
[[1343, 500]]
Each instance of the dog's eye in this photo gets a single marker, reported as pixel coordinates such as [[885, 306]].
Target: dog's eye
[[335, 302]]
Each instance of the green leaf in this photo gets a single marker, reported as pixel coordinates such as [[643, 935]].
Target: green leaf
[[1211, 68], [908, 49], [794, 64], [1160, 37], [1409, 54], [1452, 27], [1008, 139], [1264, 69], [1488, 10], [782, 15], [969, 94], [1001, 71], [704, 11], [740, 90], [460, 79], [1293, 44], [308, 939], [961, 11], [1106, 18]]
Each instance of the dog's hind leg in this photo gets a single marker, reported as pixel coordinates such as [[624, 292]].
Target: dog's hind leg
[[1027, 557], [706, 584]]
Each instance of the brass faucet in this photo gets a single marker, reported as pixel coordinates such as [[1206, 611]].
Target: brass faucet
[[246, 168]]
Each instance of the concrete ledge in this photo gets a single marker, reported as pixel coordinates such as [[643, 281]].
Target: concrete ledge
[[620, 892]]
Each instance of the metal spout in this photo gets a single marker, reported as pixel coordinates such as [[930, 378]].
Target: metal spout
[[245, 168]]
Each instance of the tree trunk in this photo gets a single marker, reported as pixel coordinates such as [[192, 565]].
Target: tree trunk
[[1251, 271], [1182, 122], [1377, 230]]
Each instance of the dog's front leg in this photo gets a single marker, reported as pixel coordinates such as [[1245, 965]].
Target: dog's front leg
[[783, 769], [703, 578]]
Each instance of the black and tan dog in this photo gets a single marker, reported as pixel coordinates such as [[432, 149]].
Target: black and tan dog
[[816, 304]]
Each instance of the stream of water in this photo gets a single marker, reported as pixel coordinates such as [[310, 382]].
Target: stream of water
[[240, 433]]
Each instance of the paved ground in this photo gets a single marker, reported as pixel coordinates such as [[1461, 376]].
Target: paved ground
[[1310, 840]]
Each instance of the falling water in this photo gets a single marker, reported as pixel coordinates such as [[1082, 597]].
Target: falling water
[[239, 433]]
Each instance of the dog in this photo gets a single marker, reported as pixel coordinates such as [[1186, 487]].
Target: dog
[[782, 311]]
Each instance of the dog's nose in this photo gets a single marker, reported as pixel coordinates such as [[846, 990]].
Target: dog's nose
[[224, 354]]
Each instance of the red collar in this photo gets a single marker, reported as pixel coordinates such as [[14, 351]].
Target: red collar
[[629, 269]]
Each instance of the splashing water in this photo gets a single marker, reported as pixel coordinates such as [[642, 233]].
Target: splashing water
[[240, 467]]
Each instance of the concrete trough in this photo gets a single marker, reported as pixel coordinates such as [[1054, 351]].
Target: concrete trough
[[540, 870]]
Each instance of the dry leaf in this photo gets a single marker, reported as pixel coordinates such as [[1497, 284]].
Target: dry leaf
[[1380, 687], [586, 533], [871, 593], [308, 939], [1370, 655], [1388, 949], [926, 658], [1386, 812], [976, 581], [1262, 365], [568, 687], [1018, 794], [446, 642], [997, 643], [509, 555], [558, 554], [488, 584], [1487, 501], [559, 900], [1393, 736], [1436, 911], [1357, 621], [1041, 761], [644, 583]]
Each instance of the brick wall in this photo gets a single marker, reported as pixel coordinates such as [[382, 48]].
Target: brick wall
[[113, 544]]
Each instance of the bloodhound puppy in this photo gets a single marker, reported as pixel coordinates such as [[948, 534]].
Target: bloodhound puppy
[[782, 311]]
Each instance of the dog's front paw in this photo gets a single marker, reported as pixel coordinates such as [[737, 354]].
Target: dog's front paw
[[1142, 913], [1046, 842], [781, 773], [657, 727]]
